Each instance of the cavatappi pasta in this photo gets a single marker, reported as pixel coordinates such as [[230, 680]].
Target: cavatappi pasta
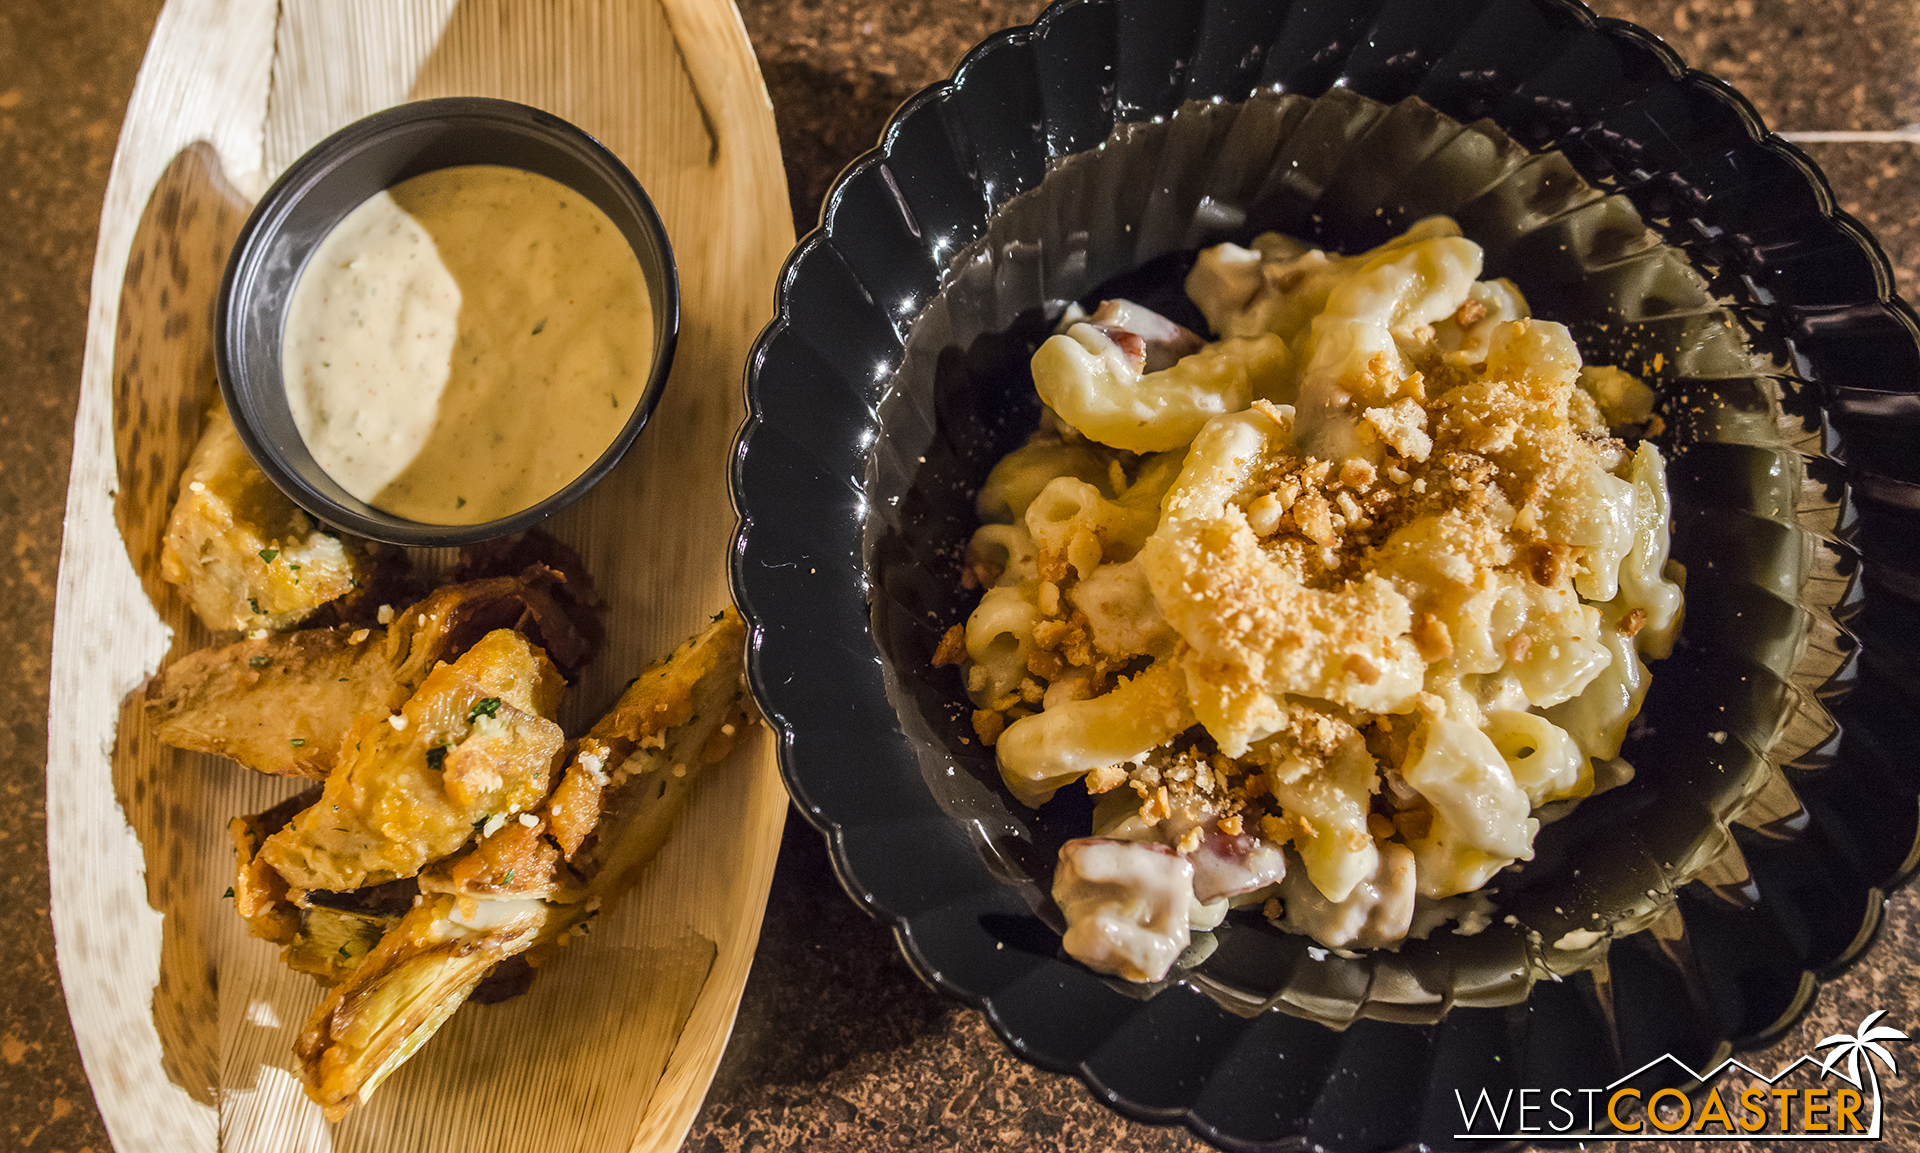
[[1324, 610]]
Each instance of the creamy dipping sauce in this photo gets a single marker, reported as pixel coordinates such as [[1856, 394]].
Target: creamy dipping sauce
[[463, 345]]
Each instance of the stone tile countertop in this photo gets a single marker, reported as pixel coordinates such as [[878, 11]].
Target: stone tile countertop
[[838, 1046]]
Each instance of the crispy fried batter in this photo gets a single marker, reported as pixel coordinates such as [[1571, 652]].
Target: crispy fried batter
[[283, 703], [574, 808], [565, 618], [676, 718], [632, 774], [473, 744], [244, 555], [280, 703], [515, 861], [325, 935], [260, 893], [664, 696]]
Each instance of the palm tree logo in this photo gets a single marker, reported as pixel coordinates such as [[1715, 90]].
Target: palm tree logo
[[1865, 1039]]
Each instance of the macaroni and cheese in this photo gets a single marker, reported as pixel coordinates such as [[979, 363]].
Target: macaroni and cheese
[[1323, 611]]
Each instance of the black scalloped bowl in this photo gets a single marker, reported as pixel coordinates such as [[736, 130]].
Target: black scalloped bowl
[[1069, 160]]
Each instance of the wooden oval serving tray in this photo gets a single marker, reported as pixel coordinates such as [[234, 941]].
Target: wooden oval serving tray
[[185, 1023]]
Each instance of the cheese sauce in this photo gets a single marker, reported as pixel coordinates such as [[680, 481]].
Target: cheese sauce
[[466, 343]]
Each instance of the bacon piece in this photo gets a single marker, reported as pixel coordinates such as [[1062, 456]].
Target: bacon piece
[[1150, 341], [1227, 865]]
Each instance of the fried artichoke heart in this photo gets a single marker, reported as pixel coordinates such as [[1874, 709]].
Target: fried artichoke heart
[[325, 935], [245, 556], [283, 703], [676, 718], [624, 783], [332, 943], [260, 894], [581, 848], [410, 983], [475, 743]]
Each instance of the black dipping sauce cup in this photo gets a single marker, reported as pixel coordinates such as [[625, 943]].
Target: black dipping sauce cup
[[333, 179]]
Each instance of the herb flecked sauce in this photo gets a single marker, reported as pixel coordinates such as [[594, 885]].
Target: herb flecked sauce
[[466, 343]]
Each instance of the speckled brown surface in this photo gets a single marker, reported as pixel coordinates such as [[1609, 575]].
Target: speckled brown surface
[[65, 73], [839, 1046], [836, 69], [1805, 64]]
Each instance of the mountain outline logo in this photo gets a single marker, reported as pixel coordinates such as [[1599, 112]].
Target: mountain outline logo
[[1824, 1113]]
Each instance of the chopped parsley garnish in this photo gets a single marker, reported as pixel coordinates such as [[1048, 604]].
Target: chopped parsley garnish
[[508, 878], [484, 707], [267, 554], [259, 662], [484, 818], [297, 742], [254, 605], [294, 565], [228, 893], [437, 758], [343, 950], [540, 328]]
